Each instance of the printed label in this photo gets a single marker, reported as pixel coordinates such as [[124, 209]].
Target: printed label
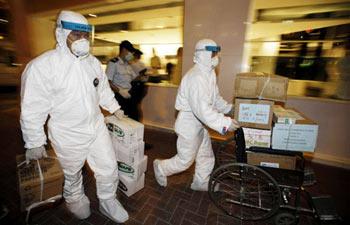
[[254, 113], [268, 164], [125, 168], [118, 131]]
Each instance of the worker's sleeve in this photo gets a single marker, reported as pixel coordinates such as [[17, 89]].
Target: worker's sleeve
[[35, 105], [110, 70], [206, 112], [107, 99], [220, 104]]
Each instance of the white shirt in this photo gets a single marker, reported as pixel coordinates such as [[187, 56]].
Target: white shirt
[[120, 73]]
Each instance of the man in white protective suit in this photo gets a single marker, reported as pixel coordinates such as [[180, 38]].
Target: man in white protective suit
[[199, 103], [68, 84]]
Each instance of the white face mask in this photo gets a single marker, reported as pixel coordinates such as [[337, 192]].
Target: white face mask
[[214, 61], [129, 57], [80, 47]]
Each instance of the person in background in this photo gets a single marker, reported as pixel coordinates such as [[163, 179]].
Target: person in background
[[138, 90], [68, 85], [121, 74], [155, 62], [177, 71], [343, 67], [199, 104]]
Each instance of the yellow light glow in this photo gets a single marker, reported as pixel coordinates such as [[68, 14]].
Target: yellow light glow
[[1, 37]]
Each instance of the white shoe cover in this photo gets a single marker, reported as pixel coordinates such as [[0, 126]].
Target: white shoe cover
[[196, 186], [161, 179], [80, 208], [114, 210]]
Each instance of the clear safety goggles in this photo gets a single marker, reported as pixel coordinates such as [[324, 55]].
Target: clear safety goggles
[[76, 26], [210, 48]]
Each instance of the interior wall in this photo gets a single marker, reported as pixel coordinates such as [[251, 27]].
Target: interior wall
[[332, 116], [224, 23], [42, 36]]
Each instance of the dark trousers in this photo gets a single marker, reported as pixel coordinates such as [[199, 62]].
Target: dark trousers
[[131, 106]]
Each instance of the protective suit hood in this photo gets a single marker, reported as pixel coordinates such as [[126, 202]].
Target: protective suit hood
[[202, 57], [61, 33]]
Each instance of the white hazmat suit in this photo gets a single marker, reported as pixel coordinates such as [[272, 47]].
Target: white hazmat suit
[[70, 90], [199, 103]]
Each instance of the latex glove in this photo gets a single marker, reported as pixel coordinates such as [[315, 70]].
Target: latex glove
[[233, 126], [124, 93], [35, 153], [119, 114]]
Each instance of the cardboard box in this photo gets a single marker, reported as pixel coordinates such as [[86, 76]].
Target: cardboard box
[[126, 130], [257, 137], [133, 171], [286, 116], [254, 113], [263, 85], [31, 188], [129, 154], [301, 136], [130, 186], [271, 160]]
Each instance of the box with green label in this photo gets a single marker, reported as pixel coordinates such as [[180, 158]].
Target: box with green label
[[126, 130], [129, 154], [133, 171], [257, 137], [130, 186]]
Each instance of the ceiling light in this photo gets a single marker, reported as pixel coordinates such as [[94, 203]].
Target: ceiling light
[[160, 26], [124, 31], [92, 15], [1, 37], [4, 21]]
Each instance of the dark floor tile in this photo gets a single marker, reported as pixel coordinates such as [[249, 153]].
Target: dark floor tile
[[177, 216], [150, 220], [176, 204], [97, 218]]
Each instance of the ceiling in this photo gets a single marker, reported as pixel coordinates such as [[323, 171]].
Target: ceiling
[[139, 21]]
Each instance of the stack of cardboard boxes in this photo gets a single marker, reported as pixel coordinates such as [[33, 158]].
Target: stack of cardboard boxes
[[266, 123], [127, 139]]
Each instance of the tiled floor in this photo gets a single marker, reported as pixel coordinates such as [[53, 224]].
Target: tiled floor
[[176, 204]]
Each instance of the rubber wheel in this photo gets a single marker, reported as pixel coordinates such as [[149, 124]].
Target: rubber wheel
[[285, 219], [244, 191]]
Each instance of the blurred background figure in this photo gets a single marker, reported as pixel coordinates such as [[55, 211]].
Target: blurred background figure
[[138, 89], [155, 62], [343, 82], [177, 71]]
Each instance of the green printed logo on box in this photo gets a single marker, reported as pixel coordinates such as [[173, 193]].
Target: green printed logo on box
[[118, 131], [125, 168]]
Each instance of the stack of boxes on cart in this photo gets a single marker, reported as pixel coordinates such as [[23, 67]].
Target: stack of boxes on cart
[[127, 139], [259, 109]]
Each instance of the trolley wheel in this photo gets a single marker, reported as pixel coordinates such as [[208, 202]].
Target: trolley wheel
[[244, 191], [285, 219]]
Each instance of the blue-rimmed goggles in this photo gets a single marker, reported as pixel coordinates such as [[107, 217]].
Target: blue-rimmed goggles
[[210, 48], [76, 26]]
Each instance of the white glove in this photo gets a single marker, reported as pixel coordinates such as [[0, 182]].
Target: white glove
[[233, 126], [119, 114], [125, 93], [35, 153]]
